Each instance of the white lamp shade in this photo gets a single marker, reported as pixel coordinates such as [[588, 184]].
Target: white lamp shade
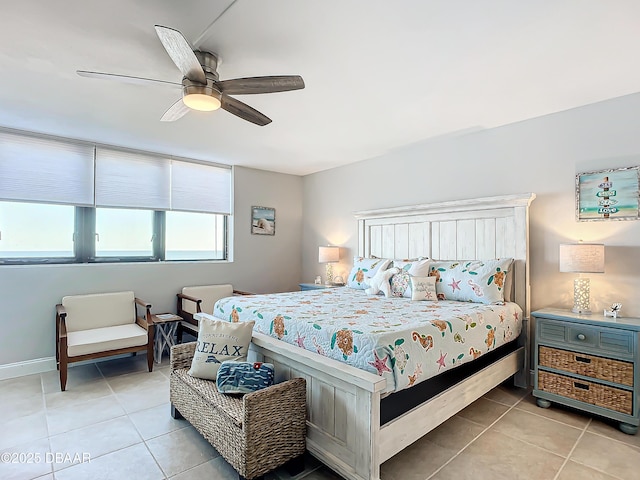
[[328, 254], [582, 258]]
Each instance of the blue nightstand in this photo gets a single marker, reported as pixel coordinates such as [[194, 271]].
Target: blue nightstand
[[589, 362]]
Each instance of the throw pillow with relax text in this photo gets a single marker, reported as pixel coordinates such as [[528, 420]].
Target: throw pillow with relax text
[[219, 340]]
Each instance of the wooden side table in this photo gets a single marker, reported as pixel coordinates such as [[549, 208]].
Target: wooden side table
[[589, 362], [166, 325]]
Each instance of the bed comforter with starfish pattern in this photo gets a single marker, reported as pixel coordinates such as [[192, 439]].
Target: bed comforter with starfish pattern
[[404, 341]]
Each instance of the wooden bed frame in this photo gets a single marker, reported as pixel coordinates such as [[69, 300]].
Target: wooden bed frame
[[343, 402]]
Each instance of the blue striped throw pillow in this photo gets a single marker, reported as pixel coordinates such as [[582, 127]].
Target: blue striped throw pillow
[[244, 377]]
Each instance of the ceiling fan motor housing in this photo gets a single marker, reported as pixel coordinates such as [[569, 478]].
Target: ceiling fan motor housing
[[209, 62], [198, 96], [195, 88]]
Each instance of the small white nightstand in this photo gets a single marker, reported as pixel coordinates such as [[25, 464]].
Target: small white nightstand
[[589, 362], [166, 325]]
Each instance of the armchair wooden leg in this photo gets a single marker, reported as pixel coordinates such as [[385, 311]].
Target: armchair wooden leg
[[63, 372], [150, 357]]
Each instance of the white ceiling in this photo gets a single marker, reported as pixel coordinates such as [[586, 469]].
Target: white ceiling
[[378, 74]]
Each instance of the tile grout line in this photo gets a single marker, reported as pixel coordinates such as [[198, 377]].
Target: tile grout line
[[125, 414], [553, 419], [590, 466], [103, 454], [575, 445], [545, 418], [166, 476], [97, 423], [144, 442], [551, 452], [46, 421], [98, 456], [615, 439], [599, 471], [589, 421], [474, 439]]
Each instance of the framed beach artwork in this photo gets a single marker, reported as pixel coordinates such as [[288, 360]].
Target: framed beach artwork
[[263, 221], [608, 195]]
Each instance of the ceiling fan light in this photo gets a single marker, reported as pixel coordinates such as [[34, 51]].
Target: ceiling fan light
[[201, 102]]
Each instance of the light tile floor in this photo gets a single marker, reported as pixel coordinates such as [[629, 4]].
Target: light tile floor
[[116, 414]]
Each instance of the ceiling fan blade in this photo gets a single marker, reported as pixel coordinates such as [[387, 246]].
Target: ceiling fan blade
[[175, 112], [125, 78], [244, 111], [251, 85], [181, 53]]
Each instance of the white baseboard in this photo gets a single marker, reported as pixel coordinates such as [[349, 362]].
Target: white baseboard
[[20, 369]]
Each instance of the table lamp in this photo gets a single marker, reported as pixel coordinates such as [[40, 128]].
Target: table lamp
[[581, 258], [328, 255]]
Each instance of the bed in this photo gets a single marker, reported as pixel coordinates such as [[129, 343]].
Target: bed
[[355, 422], [406, 342]]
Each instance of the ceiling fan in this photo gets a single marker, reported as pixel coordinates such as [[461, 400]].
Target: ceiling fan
[[201, 88]]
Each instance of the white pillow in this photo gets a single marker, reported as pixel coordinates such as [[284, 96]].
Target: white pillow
[[219, 340], [416, 268], [423, 288], [380, 282]]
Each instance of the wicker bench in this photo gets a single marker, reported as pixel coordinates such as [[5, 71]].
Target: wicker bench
[[255, 433]]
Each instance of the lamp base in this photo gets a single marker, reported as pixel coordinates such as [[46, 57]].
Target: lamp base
[[329, 273], [581, 298]]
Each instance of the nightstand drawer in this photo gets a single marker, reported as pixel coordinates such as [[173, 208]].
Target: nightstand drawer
[[581, 335], [616, 341], [612, 340], [550, 330], [588, 392], [609, 339], [614, 371]]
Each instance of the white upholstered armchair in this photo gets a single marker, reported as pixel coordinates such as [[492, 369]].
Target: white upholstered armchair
[[100, 325], [197, 300]]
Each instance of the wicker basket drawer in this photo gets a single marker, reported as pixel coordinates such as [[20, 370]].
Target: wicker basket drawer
[[615, 371], [587, 392]]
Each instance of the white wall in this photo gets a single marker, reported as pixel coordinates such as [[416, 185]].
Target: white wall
[[261, 264], [541, 155]]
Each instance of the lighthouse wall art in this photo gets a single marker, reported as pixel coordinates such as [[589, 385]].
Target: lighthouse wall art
[[608, 195]]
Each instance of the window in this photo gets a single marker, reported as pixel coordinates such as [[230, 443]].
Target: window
[[35, 230], [69, 201], [123, 233], [195, 236]]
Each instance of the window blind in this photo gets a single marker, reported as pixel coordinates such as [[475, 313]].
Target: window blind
[[200, 188], [47, 170], [38, 169], [132, 180]]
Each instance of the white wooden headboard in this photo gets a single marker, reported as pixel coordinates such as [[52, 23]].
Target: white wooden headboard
[[474, 229]]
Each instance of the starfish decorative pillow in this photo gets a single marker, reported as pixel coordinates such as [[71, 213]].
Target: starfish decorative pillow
[[380, 282]]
